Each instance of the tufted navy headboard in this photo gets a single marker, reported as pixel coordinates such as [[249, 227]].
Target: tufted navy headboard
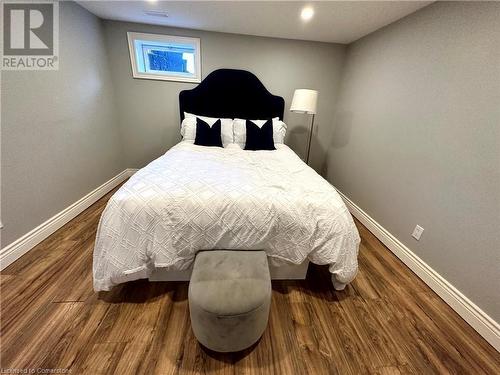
[[231, 93]]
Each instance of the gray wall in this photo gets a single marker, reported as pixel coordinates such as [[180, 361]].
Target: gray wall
[[413, 138], [149, 110], [416, 139], [60, 138]]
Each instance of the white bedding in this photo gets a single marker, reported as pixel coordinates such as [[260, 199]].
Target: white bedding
[[195, 198]]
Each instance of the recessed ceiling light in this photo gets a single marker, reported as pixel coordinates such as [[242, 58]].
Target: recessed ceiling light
[[151, 1], [307, 13]]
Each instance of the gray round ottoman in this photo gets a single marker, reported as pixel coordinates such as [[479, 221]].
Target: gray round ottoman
[[229, 298]]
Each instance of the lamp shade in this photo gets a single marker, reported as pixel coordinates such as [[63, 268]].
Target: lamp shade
[[304, 101]]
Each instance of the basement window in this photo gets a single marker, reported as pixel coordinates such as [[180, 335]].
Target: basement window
[[165, 57]]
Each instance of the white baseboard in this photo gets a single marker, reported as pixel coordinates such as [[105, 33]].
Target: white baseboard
[[21, 246], [472, 314]]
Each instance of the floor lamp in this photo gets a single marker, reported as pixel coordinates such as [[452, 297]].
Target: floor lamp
[[304, 101]]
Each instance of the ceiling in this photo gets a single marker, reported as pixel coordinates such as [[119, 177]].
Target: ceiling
[[333, 21]]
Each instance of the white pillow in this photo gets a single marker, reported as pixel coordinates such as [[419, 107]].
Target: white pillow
[[188, 127], [240, 130]]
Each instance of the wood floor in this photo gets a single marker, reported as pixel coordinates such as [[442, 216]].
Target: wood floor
[[386, 322]]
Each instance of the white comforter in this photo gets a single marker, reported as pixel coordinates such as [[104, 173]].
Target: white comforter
[[195, 198]]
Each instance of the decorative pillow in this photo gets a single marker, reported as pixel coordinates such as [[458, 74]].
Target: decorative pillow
[[207, 135], [259, 138], [239, 126], [188, 127]]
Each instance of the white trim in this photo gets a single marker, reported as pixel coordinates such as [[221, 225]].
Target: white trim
[[488, 328], [132, 36], [21, 246]]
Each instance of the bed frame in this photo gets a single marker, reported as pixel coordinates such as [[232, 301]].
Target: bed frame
[[283, 272], [232, 93]]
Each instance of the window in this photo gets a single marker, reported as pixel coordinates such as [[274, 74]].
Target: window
[[164, 57]]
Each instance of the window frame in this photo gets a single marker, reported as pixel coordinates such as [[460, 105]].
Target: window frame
[[160, 38]]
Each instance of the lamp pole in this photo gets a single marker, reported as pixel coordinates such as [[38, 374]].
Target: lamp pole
[[310, 138], [304, 101]]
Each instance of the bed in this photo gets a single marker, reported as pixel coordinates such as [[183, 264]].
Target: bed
[[196, 198]]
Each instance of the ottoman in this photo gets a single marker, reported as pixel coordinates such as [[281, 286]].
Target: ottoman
[[229, 298]]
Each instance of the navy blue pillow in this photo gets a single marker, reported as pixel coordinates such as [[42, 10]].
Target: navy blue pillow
[[207, 135], [260, 138]]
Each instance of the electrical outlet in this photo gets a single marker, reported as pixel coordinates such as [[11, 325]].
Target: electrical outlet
[[417, 232]]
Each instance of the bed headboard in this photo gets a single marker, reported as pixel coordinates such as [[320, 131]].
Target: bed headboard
[[231, 93]]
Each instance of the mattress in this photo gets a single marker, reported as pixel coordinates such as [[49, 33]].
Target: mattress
[[196, 198]]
